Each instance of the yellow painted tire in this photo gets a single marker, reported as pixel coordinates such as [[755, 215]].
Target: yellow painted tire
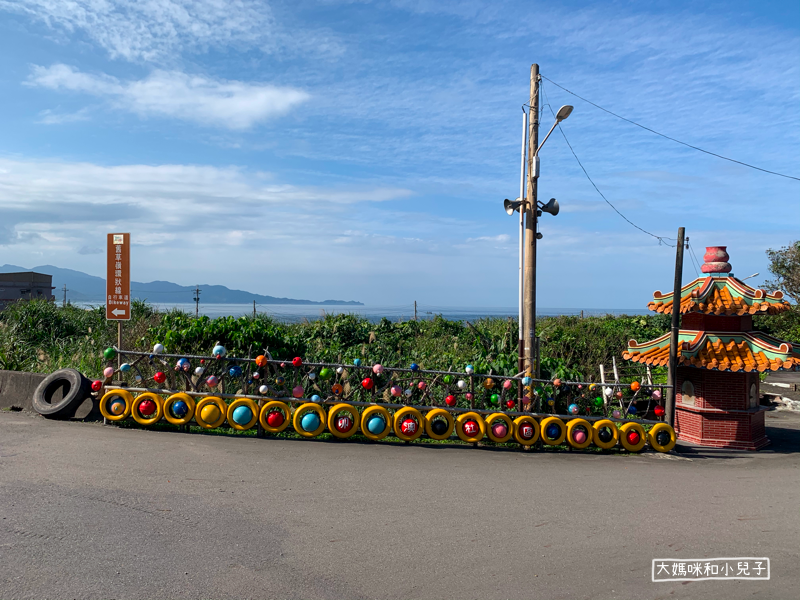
[[598, 425], [623, 436], [370, 412], [168, 409], [268, 408], [431, 416], [122, 394], [333, 414], [253, 410], [651, 437], [523, 420], [545, 423], [572, 425], [138, 417], [408, 411], [505, 419], [463, 418], [223, 411], [300, 411]]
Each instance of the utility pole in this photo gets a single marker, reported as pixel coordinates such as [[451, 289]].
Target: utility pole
[[415, 310], [531, 216], [254, 309], [673, 340], [64, 304], [196, 301]]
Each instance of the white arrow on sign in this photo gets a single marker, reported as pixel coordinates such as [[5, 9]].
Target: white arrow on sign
[[117, 312]]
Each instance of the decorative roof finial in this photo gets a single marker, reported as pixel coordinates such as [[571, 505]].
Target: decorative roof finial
[[716, 260]]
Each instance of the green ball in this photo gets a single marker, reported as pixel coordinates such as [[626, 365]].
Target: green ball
[[109, 354], [598, 401], [325, 373], [494, 398], [448, 379]]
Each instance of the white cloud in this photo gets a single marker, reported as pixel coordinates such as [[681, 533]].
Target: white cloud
[[230, 104], [51, 117]]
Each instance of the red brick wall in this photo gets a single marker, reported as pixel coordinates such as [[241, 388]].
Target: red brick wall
[[716, 389]]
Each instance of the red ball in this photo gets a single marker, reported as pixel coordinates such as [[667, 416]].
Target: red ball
[[633, 437], [408, 426], [297, 361], [471, 428], [510, 403], [159, 377], [343, 424], [450, 400], [275, 418], [147, 407], [367, 383], [526, 431], [499, 430], [97, 385], [659, 410]]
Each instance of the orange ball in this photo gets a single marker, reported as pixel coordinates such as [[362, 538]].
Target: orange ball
[[556, 382], [635, 386], [261, 360]]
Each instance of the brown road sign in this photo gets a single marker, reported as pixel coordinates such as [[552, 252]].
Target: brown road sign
[[118, 277]]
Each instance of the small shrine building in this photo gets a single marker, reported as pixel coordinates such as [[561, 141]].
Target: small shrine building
[[719, 357]]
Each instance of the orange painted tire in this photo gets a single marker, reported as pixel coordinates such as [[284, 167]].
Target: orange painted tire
[[611, 426], [140, 418], [400, 415], [553, 442], [300, 411], [463, 418], [654, 430], [124, 395], [253, 411], [498, 416], [371, 411], [519, 422], [168, 409], [333, 414], [623, 436], [431, 416], [219, 403], [574, 424], [268, 408]]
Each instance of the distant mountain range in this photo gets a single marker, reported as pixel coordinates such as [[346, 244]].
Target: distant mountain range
[[83, 287]]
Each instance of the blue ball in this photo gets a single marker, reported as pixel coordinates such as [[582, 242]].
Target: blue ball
[[357, 362], [184, 363], [573, 409], [414, 367], [180, 409], [376, 425], [124, 367], [315, 398], [526, 380], [310, 421], [553, 431], [242, 415], [631, 410], [235, 371]]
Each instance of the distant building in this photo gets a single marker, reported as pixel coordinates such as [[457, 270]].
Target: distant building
[[25, 286]]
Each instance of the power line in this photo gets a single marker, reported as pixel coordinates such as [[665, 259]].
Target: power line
[[695, 262], [661, 239], [738, 162]]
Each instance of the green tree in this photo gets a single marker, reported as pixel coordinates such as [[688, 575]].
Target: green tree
[[784, 264]]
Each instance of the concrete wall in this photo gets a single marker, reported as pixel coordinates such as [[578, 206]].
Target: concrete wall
[[17, 387]]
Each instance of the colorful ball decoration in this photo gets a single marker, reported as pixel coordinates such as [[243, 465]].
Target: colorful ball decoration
[[526, 431], [159, 377], [137, 377], [471, 428], [439, 427], [97, 385], [659, 410], [212, 381], [598, 402], [219, 351], [396, 391], [422, 385], [343, 424], [510, 404], [469, 396], [117, 407], [256, 375], [605, 435], [337, 389], [377, 369], [573, 409], [310, 421], [450, 400], [312, 376], [656, 395], [469, 370], [461, 384], [499, 429], [557, 382], [297, 362], [414, 367], [340, 370], [275, 418], [125, 367], [620, 394], [494, 398], [357, 362], [633, 437], [263, 389], [631, 410], [367, 383], [325, 374], [616, 414], [526, 380], [488, 383], [109, 354], [408, 392], [447, 379], [376, 425], [108, 372], [408, 426], [551, 402], [261, 360], [183, 364], [526, 399], [579, 435], [242, 415], [199, 371], [507, 384], [553, 431], [297, 391], [316, 398], [592, 386], [180, 409], [635, 386], [663, 438], [235, 371], [147, 407], [608, 392], [158, 349]]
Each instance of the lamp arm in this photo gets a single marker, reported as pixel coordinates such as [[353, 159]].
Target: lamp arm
[[547, 136]]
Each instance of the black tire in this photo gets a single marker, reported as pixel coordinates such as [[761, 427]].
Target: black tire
[[61, 393]]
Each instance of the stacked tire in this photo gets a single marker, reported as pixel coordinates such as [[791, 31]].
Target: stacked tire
[[60, 394]]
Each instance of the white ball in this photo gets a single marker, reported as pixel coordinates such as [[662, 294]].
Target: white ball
[[199, 371], [158, 349], [461, 384], [608, 392], [340, 370], [470, 370], [312, 376], [263, 389], [137, 377], [408, 392]]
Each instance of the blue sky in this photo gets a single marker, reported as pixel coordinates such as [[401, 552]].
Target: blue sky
[[362, 150]]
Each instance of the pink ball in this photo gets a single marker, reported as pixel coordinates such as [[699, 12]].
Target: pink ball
[[396, 391], [507, 384], [656, 395], [108, 372], [579, 436], [377, 369], [615, 414], [499, 430], [212, 381], [297, 392], [422, 385], [468, 396]]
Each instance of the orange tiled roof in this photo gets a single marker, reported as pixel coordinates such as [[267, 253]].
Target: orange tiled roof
[[716, 295], [752, 351]]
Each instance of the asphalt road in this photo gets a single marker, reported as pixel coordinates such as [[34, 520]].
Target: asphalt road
[[89, 511]]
